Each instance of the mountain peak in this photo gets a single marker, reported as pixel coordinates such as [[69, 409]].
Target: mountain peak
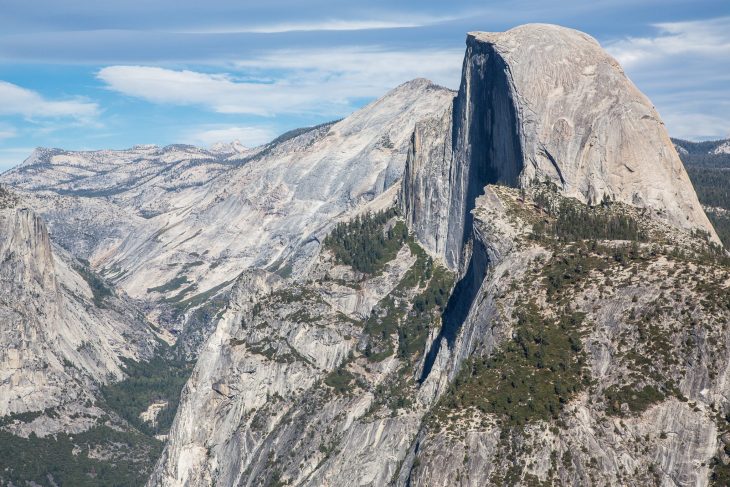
[[582, 123], [235, 147]]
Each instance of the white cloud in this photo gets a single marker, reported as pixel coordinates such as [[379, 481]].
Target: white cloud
[[331, 24], [219, 92], [248, 136], [685, 70], [327, 25], [700, 38], [326, 82], [7, 132], [696, 126], [15, 100]]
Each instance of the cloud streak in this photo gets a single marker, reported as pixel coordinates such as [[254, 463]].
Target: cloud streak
[[698, 38], [15, 100], [319, 25], [325, 82], [685, 69]]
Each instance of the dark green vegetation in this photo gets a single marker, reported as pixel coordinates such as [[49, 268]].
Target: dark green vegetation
[[637, 399], [174, 284], [400, 323], [569, 220], [409, 317], [160, 379], [530, 377], [364, 243], [64, 460], [213, 300], [710, 175], [712, 185], [340, 380], [98, 288]]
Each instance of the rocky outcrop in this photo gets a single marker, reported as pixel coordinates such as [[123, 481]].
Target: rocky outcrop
[[542, 102], [513, 337], [58, 341]]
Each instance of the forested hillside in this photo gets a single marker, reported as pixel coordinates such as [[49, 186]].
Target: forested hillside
[[709, 169]]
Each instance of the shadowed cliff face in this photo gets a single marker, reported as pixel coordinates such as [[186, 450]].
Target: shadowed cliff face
[[314, 379], [462, 299], [486, 150], [485, 139]]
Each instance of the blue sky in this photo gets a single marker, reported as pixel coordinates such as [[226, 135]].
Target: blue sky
[[82, 74]]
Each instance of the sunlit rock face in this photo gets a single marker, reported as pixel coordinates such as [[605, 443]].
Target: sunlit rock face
[[543, 102], [315, 373], [58, 341]]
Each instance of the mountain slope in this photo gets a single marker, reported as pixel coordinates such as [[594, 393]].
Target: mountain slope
[[174, 226], [488, 345], [58, 322], [63, 335]]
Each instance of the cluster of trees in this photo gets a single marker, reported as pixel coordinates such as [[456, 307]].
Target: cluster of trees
[[160, 379], [99, 289], [64, 459], [529, 377], [573, 221], [638, 399], [364, 244], [710, 175], [712, 185]]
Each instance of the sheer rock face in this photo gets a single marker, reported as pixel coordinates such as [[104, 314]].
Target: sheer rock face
[[545, 102], [176, 222], [56, 343], [584, 125]]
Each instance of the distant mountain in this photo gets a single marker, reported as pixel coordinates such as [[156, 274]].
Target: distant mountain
[[512, 284], [64, 335], [708, 166], [712, 147]]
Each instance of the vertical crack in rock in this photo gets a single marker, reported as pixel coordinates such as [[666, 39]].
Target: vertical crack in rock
[[457, 309], [485, 139], [486, 150]]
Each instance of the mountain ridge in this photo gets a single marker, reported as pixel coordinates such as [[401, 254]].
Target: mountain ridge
[[442, 287]]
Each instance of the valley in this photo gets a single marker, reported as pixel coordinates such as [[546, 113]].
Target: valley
[[515, 283]]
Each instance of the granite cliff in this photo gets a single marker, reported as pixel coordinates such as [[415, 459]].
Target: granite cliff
[[549, 210], [514, 284]]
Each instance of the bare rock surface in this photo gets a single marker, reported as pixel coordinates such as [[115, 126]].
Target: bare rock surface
[[59, 338], [549, 315]]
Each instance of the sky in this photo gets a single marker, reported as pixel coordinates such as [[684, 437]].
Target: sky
[[90, 74]]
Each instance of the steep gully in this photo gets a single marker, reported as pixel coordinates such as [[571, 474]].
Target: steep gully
[[486, 150]]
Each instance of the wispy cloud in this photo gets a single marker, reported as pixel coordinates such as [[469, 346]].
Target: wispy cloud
[[249, 136], [685, 69], [325, 25], [16, 100], [7, 132], [326, 82], [699, 38]]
